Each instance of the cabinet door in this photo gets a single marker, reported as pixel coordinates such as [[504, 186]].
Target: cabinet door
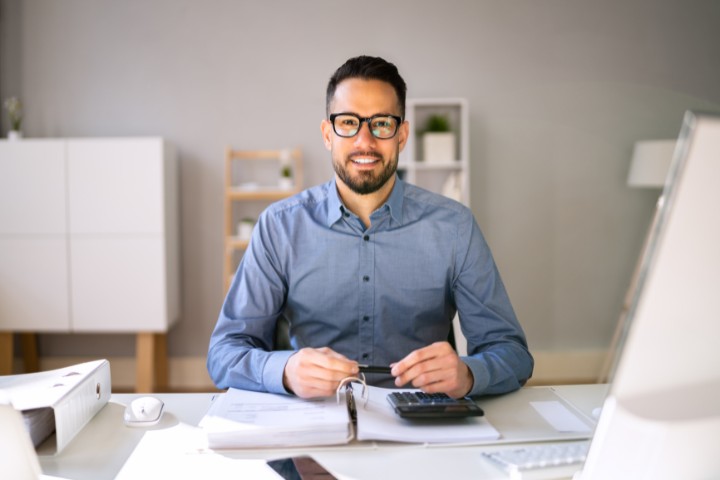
[[118, 284], [34, 283], [32, 187], [115, 185]]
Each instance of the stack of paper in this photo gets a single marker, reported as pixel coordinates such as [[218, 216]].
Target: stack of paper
[[40, 423], [242, 419]]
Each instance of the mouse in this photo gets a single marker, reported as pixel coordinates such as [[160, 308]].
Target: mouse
[[144, 412]]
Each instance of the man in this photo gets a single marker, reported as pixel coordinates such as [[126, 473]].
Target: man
[[367, 269]]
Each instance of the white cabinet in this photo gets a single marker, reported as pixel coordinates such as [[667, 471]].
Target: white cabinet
[[34, 268], [123, 229], [88, 236], [449, 177]]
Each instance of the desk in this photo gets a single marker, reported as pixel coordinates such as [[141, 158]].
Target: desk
[[103, 447]]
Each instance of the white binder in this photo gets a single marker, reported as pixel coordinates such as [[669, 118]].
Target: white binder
[[68, 397]]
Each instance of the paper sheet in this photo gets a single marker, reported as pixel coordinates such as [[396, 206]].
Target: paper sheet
[[178, 453], [560, 417], [378, 421]]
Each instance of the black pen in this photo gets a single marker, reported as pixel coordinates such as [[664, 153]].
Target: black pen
[[374, 369]]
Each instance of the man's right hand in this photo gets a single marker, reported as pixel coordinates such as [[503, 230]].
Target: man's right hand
[[317, 372]]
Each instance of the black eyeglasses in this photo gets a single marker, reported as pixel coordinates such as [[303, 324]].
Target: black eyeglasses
[[381, 126]]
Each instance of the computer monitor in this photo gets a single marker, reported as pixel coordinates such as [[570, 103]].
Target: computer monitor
[[661, 419]]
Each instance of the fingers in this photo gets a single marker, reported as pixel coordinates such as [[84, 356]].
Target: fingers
[[435, 368], [313, 373]]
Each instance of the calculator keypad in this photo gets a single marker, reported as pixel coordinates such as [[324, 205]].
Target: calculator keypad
[[432, 405]]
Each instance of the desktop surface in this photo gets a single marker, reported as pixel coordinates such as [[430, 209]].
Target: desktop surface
[[107, 449]]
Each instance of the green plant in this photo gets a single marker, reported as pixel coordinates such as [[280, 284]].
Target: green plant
[[437, 123], [286, 172], [14, 108]]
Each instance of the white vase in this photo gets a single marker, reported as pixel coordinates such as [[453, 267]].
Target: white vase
[[285, 183], [244, 230], [439, 147], [14, 135]]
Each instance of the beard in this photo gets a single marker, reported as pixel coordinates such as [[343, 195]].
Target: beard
[[365, 182]]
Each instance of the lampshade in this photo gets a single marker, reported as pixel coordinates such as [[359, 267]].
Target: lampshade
[[650, 163]]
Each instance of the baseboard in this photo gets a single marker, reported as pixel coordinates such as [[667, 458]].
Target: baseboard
[[190, 373]]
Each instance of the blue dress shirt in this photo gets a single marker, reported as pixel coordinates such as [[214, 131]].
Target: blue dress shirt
[[373, 294]]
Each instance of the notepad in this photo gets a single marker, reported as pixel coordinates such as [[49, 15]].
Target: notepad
[[245, 419]]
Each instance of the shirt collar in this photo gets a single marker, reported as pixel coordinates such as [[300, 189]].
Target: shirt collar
[[394, 202]]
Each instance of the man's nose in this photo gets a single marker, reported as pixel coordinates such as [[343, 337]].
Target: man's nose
[[364, 135]]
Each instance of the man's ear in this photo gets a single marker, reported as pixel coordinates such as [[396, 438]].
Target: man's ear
[[403, 133], [327, 132]]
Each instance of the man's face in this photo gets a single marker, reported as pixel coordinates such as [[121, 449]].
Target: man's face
[[362, 162]]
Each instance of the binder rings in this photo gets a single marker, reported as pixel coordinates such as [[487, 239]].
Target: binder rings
[[62, 400]]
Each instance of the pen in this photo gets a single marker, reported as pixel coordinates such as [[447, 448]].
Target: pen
[[374, 369]]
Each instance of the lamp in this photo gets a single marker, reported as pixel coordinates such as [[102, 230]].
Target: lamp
[[650, 163]]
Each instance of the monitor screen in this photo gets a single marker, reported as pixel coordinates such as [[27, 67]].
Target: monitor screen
[[661, 418]]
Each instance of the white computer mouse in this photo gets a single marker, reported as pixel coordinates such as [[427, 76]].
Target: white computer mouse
[[143, 412]]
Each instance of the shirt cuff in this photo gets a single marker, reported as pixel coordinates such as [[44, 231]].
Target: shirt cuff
[[481, 376], [273, 371]]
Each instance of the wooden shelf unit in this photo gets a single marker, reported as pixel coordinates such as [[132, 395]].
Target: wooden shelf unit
[[235, 194]]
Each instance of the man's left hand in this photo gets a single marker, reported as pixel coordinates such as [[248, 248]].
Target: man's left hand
[[435, 368]]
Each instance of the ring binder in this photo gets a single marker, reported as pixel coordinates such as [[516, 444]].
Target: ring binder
[[61, 401]]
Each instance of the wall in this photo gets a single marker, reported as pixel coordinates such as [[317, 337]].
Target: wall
[[558, 92]]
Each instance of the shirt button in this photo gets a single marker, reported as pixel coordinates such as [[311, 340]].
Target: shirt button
[[366, 318], [366, 278], [366, 237], [365, 355], [346, 214]]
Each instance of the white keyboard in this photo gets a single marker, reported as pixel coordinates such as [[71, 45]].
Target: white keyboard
[[541, 461]]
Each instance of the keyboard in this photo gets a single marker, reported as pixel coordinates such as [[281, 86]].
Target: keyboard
[[432, 405], [541, 461]]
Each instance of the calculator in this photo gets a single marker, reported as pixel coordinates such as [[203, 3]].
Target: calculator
[[432, 405]]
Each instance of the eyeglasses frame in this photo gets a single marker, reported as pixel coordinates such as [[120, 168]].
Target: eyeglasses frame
[[367, 120]]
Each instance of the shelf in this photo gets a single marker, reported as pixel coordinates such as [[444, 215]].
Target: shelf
[[260, 193], [236, 243], [448, 177], [454, 165], [253, 176]]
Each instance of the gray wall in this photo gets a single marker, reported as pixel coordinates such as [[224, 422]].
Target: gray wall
[[558, 91]]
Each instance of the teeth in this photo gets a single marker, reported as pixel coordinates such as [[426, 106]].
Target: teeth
[[364, 160]]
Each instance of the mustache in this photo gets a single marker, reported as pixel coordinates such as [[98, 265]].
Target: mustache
[[368, 153]]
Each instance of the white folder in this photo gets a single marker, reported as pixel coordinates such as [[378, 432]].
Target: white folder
[[72, 394]]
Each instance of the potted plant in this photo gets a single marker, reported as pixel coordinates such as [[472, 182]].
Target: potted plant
[[14, 109], [286, 180], [438, 141]]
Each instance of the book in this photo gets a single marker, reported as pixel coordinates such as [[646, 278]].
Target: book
[[57, 404], [244, 419]]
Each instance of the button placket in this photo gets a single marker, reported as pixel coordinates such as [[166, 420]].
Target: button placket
[[367, 296]]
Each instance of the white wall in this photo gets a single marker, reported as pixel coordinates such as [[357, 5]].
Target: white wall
[[558, 91]]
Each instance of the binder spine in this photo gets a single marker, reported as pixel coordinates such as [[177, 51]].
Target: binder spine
[[80, 405]]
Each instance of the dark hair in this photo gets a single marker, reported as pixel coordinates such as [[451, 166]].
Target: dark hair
[[368, 68]]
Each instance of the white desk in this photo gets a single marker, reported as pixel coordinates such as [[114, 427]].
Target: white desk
[[103, 447]]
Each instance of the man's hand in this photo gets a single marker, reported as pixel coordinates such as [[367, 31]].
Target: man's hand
[[435, 368], [316, 372]]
